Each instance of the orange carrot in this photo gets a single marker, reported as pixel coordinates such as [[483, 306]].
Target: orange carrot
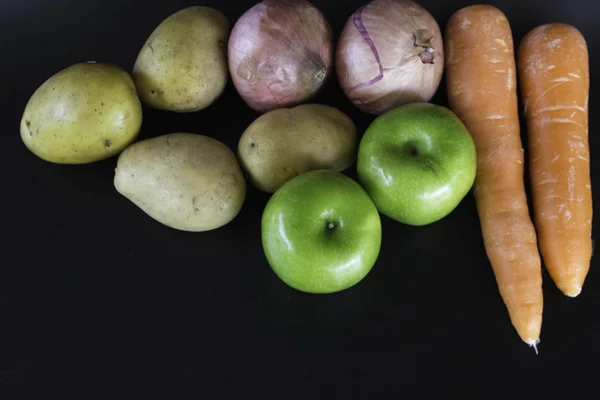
[[553, 71], [481, 86]]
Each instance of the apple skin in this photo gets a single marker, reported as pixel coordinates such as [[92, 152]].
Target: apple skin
[[321, 232], [417, 162]]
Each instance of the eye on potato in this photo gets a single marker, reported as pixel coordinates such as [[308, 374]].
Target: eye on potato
[[286, 142], [182, 67], [186, 181], [84, 113]]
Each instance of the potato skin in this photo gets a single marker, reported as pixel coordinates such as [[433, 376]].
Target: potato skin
[[84, 113], [186, 181], [286, 142], [182, 67]]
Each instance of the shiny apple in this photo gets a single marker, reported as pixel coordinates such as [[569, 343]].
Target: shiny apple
[[321, 232], [417, 162]]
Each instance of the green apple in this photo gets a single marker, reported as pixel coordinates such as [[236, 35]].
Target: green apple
[[321, 232], [417, 162]]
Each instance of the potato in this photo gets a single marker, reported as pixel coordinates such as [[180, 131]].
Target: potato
[[286, 142], [84, 113], [183, 65], [186, 181]]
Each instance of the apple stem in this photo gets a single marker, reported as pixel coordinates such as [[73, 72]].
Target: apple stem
[[330, 225]]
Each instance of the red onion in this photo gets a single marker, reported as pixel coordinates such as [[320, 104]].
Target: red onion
[[390, 53], [280, 53]]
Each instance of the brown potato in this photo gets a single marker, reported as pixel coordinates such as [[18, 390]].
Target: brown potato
[[84, 113], [186, 181], [182, 67], [286, 142]]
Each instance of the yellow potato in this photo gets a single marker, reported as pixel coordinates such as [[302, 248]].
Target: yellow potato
[[286, 142], [85, 113], [183, 65], [186, 181]]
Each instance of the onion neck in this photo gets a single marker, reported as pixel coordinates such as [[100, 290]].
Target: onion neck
[[316, 71], [319, 75], [422, 43]]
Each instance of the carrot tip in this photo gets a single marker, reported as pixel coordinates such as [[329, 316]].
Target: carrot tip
[[574, 291], [533, 343]]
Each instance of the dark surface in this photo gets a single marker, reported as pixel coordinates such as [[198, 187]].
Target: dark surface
[[101, 302]]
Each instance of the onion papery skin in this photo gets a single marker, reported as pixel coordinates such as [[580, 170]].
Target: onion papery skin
[[280, 54], [389, 53]]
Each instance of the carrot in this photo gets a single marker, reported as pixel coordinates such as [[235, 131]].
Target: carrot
[[553, 71], [481, 86]]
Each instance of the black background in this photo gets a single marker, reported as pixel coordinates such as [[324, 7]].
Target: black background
[[98, 301]]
